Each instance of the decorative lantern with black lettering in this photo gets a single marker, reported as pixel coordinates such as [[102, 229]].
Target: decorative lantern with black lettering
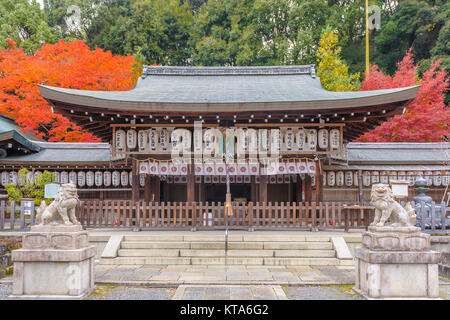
[[90, 178], [98, 179], [115, 178], [301, 139], [64, 177], [428, 176], [153, 139], [437, 179], [331, 178], [13, 177], [312, 139], [124, 178], [335, 139], [142, 140], [323, 139], [57, 176], [340, 178], [120, 141], [366, 178], [73, 177], [445, 179], [384, 177], [375, 177], [131, 139], [349, 178], [107, 178], [164, 139], [5, 178], [81, 178], [142, 180]]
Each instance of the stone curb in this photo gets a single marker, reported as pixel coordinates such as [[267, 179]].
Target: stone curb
[[216, 283]]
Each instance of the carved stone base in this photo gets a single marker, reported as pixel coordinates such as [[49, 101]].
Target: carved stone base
[[396, 238], [396, 263], [55, 263]]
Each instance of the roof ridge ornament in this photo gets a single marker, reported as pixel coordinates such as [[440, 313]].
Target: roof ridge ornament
[[234, 71]]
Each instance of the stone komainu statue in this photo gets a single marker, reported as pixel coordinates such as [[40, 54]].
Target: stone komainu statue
[[62, 209], [386, 208]]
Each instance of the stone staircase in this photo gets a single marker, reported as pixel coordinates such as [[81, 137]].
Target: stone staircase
[[272, 250]]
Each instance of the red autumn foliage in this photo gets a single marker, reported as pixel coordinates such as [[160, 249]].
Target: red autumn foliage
[[67, 65], [426, 118]]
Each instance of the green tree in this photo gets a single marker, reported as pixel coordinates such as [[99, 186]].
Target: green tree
[[25, 22], [29, 189], [157, 29], [331, 70]]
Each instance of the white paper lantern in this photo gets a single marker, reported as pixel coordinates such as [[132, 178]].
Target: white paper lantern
[[437, 179], [335, 137], [90, 178], [120, 141], [153, 139], [64, 177], [324, 179], [392, 176], [98, 178], [5, 178], [445, 179], [124, 178], [411, 178], [402, 176], [81, 178], [312, 139], [349, 178], [131, 139], [130, 178], [164, 142], [30, 177], [73, 177], [107, 178], [375, 177], [115, 179], [331, 178], [300, 139], [142, 180], [289, 139], [428, 177], [142, 140], [356, 179], [340, 178], [384, 177], [323, 139], [366, 178], [57, 177], [13, 177]]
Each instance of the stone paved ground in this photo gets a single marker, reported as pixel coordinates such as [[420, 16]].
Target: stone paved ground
[[214, 274]]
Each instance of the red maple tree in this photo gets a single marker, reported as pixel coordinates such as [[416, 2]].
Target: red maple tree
[[426, 118], [67, 65]]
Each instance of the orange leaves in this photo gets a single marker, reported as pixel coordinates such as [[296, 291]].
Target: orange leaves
[[68, 65]]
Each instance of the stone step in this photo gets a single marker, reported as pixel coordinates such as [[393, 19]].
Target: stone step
[[231, 238], [298, 245], [305, 253], [301, 261], [149, 253], [155, 245]]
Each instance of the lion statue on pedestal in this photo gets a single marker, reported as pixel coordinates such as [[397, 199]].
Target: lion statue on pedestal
[[386, 208], [62, 209]]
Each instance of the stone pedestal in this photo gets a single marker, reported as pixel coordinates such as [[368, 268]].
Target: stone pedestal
[[55, 262], [396, 263]]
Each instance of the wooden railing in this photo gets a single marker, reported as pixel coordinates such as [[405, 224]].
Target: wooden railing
[[211, 215], [15, 216]]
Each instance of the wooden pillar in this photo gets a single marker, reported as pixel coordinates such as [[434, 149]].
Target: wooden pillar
[[308, 188], [319, 183], [254, 192], [263, 189], [135, 179], [147, 188], [190, 189]]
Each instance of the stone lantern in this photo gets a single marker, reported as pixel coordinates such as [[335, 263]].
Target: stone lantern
[[421, 186]]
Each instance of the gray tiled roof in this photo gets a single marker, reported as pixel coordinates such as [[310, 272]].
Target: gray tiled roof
[[222, 85], [65, 153], [398, 153]]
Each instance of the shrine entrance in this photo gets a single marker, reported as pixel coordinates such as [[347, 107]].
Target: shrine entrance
[[239, 192]]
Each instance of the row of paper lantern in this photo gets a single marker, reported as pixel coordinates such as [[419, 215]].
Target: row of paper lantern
[[274, 179], [80, 178], [285, 138], [238, 169], [350, 178]]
